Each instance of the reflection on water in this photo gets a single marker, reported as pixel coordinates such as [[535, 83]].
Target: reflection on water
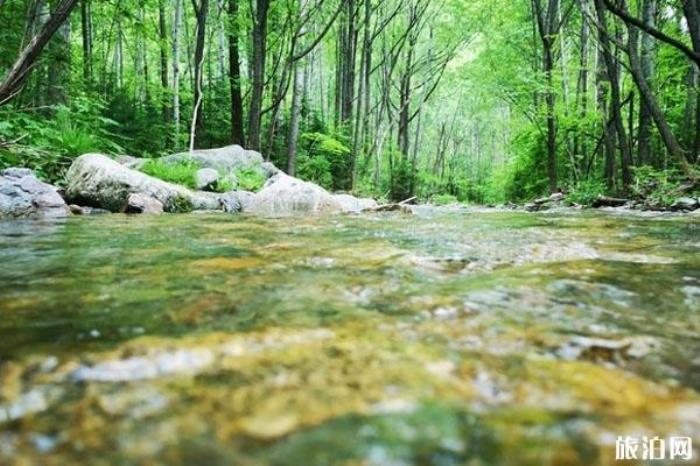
[[448, 337]]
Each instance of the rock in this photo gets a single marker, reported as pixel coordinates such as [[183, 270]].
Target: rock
[[130, 162], [556, 197], [235, 201], [142, 203], [403, 208], [534, 207], [354, 204], [223, 159], [685, 203], [23, 195], [98, 181], [206, 179], [604, 201], [269, 169], [285, 195], [84, 210]]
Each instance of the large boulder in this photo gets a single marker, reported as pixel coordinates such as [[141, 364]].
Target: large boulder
[[141, 203], [355, 204], [223, 159], [206, 179], [96, 180], [23, 195], [285, 195]]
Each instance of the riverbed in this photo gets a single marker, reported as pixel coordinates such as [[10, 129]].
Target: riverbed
[[453, 336]]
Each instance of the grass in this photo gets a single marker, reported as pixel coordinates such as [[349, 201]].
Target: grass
[[182, 173]]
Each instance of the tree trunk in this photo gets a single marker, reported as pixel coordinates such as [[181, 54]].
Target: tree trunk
[[20, 70], [616, 101], [297, 92], [201, 13], [647, 71], [234, 70], [650, 101], [258, 72], [86, 28], [163, 36], [177, 23]]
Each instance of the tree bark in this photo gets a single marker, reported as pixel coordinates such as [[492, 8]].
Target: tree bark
[[14, 80], [297, 92], [616, 100], [177, 23], [234, 76], [647, 71], [257, 72], [201, 12]]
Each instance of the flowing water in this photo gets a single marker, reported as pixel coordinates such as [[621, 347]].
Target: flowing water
[[448, 337]]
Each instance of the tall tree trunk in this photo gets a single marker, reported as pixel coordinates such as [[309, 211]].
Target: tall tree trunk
[[647, 72], [20, 70], [163, 36], [616, 101], [297, 91], [234, 75], [669, 139], [259, 50], [86, 29], [177, 23], [201, 13], [580, 146]]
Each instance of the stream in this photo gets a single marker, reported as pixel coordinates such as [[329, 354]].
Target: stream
[[454, 336]]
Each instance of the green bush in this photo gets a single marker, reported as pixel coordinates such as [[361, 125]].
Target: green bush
[[587, 191], [325, 159], [658, 186], [250, 179], [315, 169], [182, 173], [49, 142]]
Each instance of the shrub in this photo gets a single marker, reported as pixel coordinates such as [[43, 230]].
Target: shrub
[[326, 158], [587, 191], [181, 173], [315, 169], [48, 142], [658, 186], [250, 179]]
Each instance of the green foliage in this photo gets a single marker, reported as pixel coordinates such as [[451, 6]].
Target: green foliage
[[315, 169], [587, 191], [526, 172], [403, 179], [182, 173], [660, 187], [325, 159], [250, 179], [48, 145]]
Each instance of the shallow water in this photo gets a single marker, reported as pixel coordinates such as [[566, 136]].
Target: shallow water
[[449, 337]]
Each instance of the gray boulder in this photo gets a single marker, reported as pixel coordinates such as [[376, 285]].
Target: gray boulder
[[354, 204], [285, 195], [206, 179], [235, 201], [142, 203], [96, 180], [269, 169], [23, 195], [223, 159], [685, 203]]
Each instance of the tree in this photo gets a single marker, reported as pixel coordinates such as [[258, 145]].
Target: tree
[[19, 73]]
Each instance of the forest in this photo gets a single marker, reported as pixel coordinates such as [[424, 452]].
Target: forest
[[448, 100]]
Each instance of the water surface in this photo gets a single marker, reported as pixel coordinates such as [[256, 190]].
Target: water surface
[[449, 337]]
